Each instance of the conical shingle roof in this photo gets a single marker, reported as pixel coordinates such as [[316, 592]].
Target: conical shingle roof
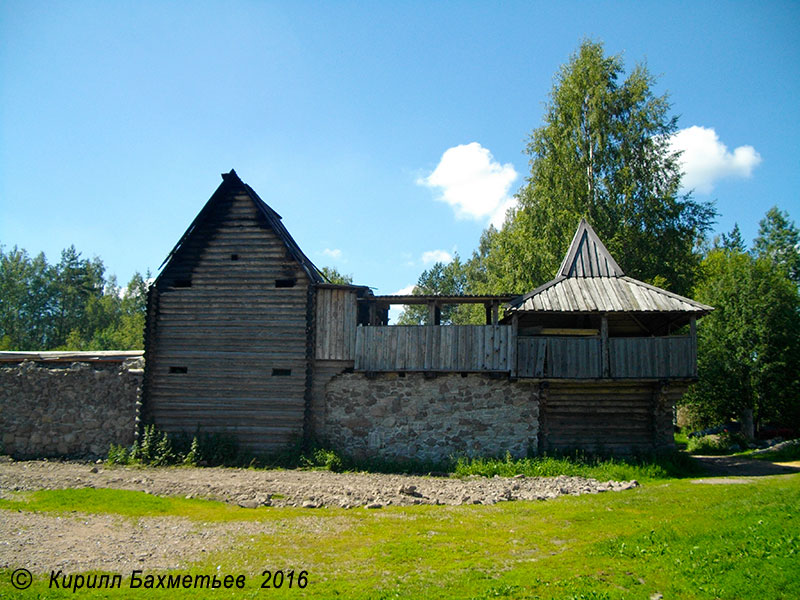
[[590, 280]]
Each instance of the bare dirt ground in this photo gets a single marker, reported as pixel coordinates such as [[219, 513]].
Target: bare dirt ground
[[725, 466], [78, 542]]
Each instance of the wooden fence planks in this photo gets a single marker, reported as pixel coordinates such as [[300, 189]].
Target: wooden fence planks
[[452, 348]]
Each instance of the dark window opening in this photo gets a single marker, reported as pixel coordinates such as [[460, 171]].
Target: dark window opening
[[234, 257], [281, 372], [183, 283], [285, 283], [178, 370]]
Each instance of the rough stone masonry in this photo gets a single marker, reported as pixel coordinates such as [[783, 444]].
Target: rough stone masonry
[[62, 409], [420, 416]]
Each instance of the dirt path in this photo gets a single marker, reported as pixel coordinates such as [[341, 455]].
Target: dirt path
[[738, 466]]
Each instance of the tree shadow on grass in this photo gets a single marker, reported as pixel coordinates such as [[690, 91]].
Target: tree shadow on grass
[[726, 466]]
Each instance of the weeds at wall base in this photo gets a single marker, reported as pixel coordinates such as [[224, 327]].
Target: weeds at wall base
[[157, 448]]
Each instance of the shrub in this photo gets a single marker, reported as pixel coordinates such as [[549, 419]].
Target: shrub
[[723, 443]]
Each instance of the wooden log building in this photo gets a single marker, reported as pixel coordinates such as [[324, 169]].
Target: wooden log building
[[244, 334]]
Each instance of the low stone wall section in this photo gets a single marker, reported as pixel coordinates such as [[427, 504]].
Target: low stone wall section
[[68, 410], [426, 417]]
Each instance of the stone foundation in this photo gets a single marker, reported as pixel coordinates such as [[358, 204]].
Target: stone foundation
[[68, 410], [427, 417]]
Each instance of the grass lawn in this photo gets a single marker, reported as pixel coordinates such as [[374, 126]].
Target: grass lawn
[[673, 537]]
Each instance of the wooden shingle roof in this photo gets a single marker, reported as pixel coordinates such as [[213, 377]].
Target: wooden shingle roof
[[590, 280], [588, 257]]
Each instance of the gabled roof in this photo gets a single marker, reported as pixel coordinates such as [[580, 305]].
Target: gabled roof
[[231, 182], [590, 280]]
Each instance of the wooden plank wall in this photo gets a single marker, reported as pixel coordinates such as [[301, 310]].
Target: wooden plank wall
[[214, 345], [458, 348], [531, 352], [581, 358], [652, 357], [573, 357], [336, 323], [616, 417]]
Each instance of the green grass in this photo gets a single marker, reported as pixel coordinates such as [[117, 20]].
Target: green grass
[[127, 503], [681, 439], [641, 468], [680, 539]]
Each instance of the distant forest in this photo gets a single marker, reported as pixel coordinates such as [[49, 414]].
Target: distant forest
[[69, 305]]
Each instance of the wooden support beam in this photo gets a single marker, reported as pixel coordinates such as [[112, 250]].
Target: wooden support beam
[[373, 313], [605, 366], [495, 312], [434, 313], [693, 336], [513, 360]]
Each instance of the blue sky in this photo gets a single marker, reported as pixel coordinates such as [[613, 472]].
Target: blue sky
[[387, 134]]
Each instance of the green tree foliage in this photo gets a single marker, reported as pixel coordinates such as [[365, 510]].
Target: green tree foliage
[[603, 153], [332, 275], [68, 305], [779, 241], [25, 301], [749, 347], [440, 280]]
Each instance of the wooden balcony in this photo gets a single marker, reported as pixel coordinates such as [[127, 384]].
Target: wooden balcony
[[456, 348], [496, 348], [556, 357]]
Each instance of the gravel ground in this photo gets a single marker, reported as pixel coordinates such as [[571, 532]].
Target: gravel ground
[[308, 489], [78, 542]]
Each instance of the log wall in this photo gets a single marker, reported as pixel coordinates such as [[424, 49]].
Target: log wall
[[614, 417], [226, 342]]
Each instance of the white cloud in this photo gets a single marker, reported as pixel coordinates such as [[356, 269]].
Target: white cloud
[[396, 309], [473, 183], [406, 291], [434, 256], [332, 253], [499, 215], [706, 159]]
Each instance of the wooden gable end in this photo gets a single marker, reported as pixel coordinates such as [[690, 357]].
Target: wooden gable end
[[227, 331]]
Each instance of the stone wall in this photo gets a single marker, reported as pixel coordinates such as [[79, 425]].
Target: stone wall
[[429, 417], [71, 410]]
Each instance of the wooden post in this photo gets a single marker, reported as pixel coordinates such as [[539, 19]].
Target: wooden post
[[488, 309], [514, 357], [693, 335], [432, 313], [495, 312], [604, 357], [373, 313]]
